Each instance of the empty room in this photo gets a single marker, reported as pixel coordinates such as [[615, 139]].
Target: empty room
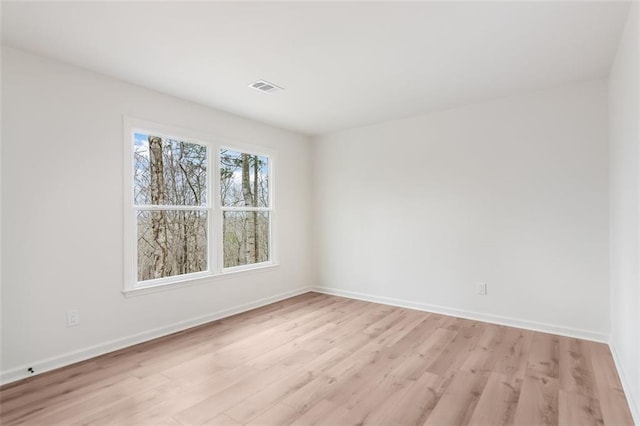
[[327, 213]]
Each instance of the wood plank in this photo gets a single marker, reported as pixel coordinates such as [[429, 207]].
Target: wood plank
[[498, 402], [578, 409], [219, 402], [278, 414], [323, 413], [544, 355], [456, 352], [411, 407], [260, 401], [457, 404], [576, 374], [223, 420], [538, 402], [362, 405]]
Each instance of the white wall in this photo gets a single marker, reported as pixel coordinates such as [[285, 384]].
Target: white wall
[[624, 137], [511, 192], [62, 242]]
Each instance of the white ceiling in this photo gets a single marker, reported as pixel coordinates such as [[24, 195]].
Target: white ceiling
[[342, 64]]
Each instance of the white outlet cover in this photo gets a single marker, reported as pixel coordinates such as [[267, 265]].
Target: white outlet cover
[[73, 317], [482, 289]]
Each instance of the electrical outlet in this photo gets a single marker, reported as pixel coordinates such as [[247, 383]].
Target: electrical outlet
[[73, 317], [482, 289]]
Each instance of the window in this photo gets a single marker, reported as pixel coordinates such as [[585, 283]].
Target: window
[[175, 229], [245, 204], [171, 204]]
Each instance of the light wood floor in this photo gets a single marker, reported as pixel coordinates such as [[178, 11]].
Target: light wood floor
[[318, 359]]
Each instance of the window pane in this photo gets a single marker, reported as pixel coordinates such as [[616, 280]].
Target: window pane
[[171, 242], [246, 238], [169, 171], [244, 179]]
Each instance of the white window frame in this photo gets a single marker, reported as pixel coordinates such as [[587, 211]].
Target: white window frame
[[214, 209]]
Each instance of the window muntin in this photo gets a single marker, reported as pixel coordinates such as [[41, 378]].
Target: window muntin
[[245, 201]]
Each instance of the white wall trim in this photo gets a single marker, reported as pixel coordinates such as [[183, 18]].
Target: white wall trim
[[633, 405], [477, 316], [53, 363]]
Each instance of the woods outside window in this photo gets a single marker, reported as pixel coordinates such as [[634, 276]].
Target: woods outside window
[[175, 228]]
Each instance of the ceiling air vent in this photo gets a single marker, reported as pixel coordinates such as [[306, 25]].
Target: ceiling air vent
[[265, 86]]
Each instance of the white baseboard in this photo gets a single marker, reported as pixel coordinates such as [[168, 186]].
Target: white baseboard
[[633, 404], [63, 360], [478, 316]]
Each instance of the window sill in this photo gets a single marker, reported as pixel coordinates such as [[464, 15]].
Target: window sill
[[191, 281]]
